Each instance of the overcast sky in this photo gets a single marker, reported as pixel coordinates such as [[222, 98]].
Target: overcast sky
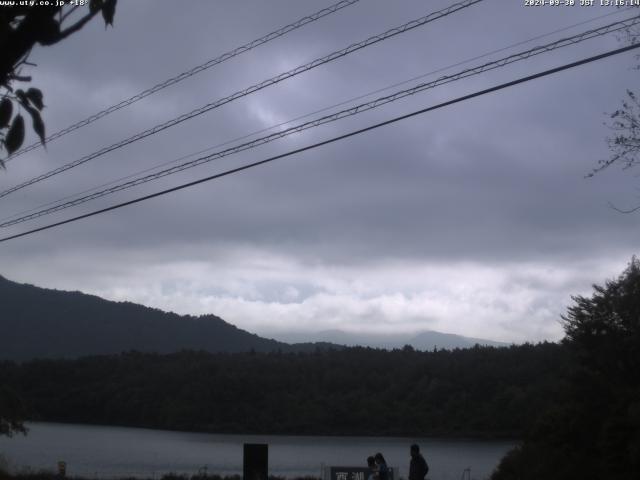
[[474, 219]]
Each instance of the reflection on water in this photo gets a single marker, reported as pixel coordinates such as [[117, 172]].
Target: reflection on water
[[96, 451]]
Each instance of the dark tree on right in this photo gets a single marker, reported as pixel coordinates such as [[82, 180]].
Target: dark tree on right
[[593, 429]]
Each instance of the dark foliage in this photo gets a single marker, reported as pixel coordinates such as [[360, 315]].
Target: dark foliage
[[593, 429], [21, 28], [12, 412], [483, 391], [624, 122], [625, 143]]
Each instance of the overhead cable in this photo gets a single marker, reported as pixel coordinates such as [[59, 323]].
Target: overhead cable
[[190, 73], [354, 110], [331, 140], [309, 114], [252, 89]]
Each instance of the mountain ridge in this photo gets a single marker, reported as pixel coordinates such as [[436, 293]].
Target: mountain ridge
[[422, 340], [38, 322], [46, 323]]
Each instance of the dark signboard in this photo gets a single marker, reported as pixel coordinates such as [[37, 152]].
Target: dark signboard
[[256, 461]]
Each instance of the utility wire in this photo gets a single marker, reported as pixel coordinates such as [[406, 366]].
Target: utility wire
[[252, 89], [315, 112], [306, 115], [332, 140], [354, 110], [189, 73]]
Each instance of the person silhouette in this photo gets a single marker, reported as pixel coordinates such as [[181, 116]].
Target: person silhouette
[[383, 470], [373, 468], [418, 467]]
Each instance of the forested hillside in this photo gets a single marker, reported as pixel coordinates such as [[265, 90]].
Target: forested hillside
[[482, 391], [44, 323]]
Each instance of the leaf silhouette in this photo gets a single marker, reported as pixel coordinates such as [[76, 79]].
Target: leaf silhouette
[[6, 109], [15, 136], [108, 11], [22, 97], [35, 97], [38, 124]]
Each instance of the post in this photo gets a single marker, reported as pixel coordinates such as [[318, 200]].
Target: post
[[256, 461]]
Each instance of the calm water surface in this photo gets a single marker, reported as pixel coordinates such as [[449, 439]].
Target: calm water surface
[[97, 451]]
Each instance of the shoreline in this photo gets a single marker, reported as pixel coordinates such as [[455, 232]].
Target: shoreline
[[470, 436], [94, 452]]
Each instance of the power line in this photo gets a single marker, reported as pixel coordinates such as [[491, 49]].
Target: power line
[[336, 116], [354, 110], [331, 140], [306, 115], [189, 73], [315, 112], [252, 89], [179, 78]]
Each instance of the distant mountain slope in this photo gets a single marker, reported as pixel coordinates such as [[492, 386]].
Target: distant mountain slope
[[43, 323], [427, 340]]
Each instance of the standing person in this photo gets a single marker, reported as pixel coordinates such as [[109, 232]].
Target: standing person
[[373, 468], [383, 470], [418, 467]]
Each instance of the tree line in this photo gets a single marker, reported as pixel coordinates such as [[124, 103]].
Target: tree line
[[482, 391]]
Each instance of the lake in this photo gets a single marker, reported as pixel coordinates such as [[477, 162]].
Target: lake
[[99, 451]]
